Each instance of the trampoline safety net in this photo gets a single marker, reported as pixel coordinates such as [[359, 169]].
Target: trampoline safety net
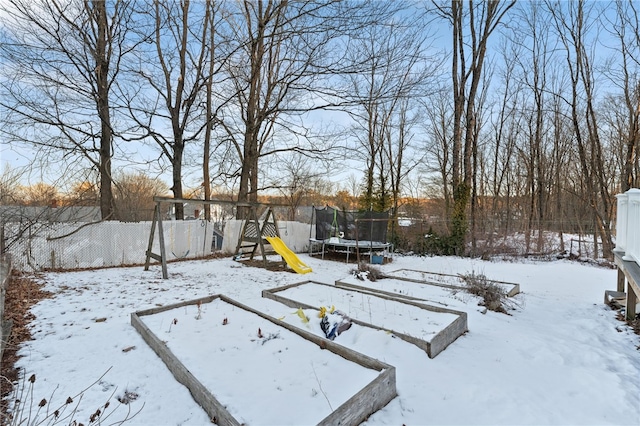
[[332, 222]]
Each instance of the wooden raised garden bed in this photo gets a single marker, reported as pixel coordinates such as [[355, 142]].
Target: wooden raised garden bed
[[430, 328], [245, 367], [447, 280]]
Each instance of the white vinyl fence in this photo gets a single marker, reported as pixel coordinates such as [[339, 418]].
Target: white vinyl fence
[[294, 234], [75, 246]]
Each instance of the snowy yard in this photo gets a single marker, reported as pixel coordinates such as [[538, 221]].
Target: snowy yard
[[561, 358]]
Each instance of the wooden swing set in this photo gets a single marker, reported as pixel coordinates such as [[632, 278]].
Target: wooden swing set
[[252, 236]]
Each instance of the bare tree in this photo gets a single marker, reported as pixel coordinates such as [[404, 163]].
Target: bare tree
[[402, 151], [10, 186], [176, 69], [530, 58], [472, 25], [505, 129], [572, 22], [279, 70], [83, 193], [134, 195], [272, 59], [394, 72], [297, 177], [40, 194], [211, 12], [625, 74], [62, 58], [437, 163]]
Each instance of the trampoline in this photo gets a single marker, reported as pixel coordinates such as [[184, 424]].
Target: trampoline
[[350, 233]]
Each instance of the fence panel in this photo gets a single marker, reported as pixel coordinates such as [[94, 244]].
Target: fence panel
[[73, 246]]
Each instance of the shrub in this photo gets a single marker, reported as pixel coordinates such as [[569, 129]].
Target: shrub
[[373, 273], [493, 296], [31, 410], [434, 244]]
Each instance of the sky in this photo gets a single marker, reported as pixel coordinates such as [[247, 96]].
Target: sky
[[136, 156], [559, 357]]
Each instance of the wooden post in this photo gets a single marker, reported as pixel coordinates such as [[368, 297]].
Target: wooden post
[[632, 299], [163, 251], [149, 253], [621, 280], [162, 257]]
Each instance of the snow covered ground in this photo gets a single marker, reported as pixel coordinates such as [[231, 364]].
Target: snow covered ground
[[561, 358]]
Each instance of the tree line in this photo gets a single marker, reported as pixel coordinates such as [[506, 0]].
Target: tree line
[[134, 203], [517, 117]]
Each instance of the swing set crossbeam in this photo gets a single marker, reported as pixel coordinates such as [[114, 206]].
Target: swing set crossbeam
[[256, 239]]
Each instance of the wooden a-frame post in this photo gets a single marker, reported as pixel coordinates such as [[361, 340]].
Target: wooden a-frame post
[[252, 234], [162, 257]]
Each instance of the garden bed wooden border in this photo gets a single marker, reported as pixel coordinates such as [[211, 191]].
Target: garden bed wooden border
[[433, 347], [513, 290], [355, 410]]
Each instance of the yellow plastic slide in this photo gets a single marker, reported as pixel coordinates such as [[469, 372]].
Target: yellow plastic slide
[[290, 257]]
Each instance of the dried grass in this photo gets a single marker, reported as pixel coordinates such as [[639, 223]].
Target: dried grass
[[494, 297], [368, 271]]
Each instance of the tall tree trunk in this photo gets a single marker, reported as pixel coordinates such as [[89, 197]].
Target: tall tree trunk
[[459, 191], [206, 158], [253, 117], [467, 67], [178, 150], [98, 11], [631, 152]]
